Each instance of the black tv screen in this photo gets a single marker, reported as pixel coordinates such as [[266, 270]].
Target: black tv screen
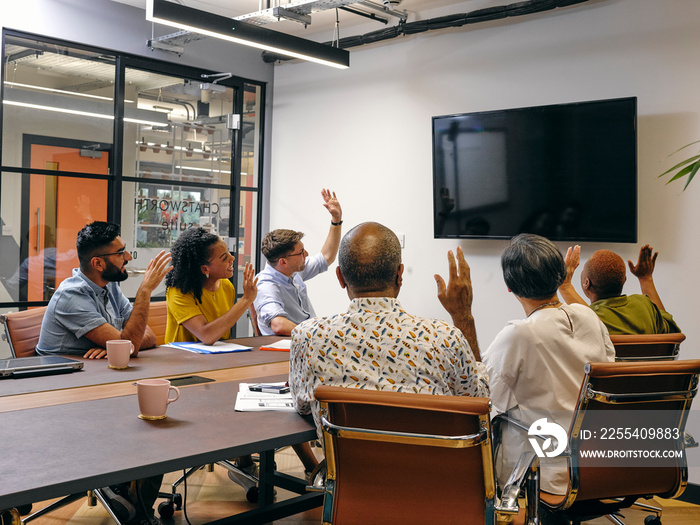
[[567, 172]]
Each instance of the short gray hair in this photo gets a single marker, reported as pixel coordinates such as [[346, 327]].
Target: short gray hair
[[533, 267]]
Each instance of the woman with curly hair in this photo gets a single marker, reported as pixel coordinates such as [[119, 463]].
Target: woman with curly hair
[[201, 300]]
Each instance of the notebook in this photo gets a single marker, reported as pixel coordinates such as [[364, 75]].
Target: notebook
[[37, 365]]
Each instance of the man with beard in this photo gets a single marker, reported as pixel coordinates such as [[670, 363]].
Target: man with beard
[[89, 309]]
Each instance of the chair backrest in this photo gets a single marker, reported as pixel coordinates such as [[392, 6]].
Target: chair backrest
[[254, 320], [22, 330], [629, 412], [158, 319], [647, 347], [389, 458]]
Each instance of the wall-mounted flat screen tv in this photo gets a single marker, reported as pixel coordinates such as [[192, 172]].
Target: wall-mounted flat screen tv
[[566, 171]]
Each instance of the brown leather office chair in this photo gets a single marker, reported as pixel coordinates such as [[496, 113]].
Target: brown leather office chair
[[411, 458], [253, 315], [622, 407], [158, 320], [22, 330], [647, 347]]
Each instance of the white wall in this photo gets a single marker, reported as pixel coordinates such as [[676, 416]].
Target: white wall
[[366, 133]]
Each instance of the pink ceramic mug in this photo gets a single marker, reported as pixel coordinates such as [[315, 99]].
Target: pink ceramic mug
[[154, 397], [118, 353]]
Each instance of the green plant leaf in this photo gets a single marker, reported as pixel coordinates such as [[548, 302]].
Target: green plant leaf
[[692, 174], [689, 167], [680, 164], [682, 173], [683, 147]]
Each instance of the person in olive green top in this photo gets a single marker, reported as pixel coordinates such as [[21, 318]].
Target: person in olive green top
[[602, 279]]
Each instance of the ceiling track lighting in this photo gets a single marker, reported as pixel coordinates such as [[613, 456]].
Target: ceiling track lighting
[[181, 17], [82, 107]]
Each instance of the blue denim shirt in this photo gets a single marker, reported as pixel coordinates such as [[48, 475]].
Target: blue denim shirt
[[279, 295], [77, 307]]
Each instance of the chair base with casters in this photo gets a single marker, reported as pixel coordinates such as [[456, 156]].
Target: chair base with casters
[[369, 434], [627, 401], [173, 499], [92, 497]]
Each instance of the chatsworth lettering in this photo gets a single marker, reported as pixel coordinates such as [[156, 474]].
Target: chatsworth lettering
[[177, 206]]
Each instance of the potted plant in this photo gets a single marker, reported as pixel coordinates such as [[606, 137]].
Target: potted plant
[[687, 167]]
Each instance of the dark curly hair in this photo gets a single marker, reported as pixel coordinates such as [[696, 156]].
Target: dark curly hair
[[189, 253], [94, 237]]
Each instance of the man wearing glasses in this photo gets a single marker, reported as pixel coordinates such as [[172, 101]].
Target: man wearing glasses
[[282, 301], [89, 309]]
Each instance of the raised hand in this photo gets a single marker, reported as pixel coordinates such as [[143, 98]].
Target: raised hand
[[645, 264], [457, 296], [156, 270], [330, 202], [572, 259], [250, 283]]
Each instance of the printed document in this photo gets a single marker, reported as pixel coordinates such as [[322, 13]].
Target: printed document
[[247, 401]]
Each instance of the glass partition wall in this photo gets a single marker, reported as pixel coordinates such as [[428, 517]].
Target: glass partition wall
[[89, 135]]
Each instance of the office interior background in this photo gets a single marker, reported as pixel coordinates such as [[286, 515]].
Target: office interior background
[[365, 132]]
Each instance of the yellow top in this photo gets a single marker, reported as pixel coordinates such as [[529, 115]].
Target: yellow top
[[182, 307]]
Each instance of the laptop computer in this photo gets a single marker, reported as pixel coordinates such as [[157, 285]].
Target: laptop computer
[[37, 365]]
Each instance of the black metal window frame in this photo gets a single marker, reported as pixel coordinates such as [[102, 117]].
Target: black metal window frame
[[115, 177]]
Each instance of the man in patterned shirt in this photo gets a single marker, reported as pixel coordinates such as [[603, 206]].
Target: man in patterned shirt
[[378, 345]]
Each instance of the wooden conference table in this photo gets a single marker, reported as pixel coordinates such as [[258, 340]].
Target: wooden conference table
[[68, 433]]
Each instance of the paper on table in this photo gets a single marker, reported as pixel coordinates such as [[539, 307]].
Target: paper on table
[[247, 401], [218, 347], [283, 345]]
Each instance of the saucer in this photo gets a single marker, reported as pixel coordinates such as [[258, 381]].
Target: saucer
[[152, 418]]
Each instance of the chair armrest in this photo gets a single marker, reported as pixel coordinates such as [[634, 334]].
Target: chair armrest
[[498, 421]]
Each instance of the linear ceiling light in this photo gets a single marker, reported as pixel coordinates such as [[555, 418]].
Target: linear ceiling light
[[61, 91], [181, 17], [81, 107]]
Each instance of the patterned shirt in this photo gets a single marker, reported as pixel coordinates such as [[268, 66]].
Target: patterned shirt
[[378, 345]]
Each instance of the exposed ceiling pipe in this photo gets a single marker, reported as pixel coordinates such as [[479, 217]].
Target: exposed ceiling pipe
[[371, 16], [457, 20]]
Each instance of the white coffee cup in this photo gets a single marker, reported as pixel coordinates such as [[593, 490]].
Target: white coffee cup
[[154, 397], [118, 353]]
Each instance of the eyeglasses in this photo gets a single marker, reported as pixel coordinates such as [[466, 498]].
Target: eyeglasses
[[121, 252], [302, 252]]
